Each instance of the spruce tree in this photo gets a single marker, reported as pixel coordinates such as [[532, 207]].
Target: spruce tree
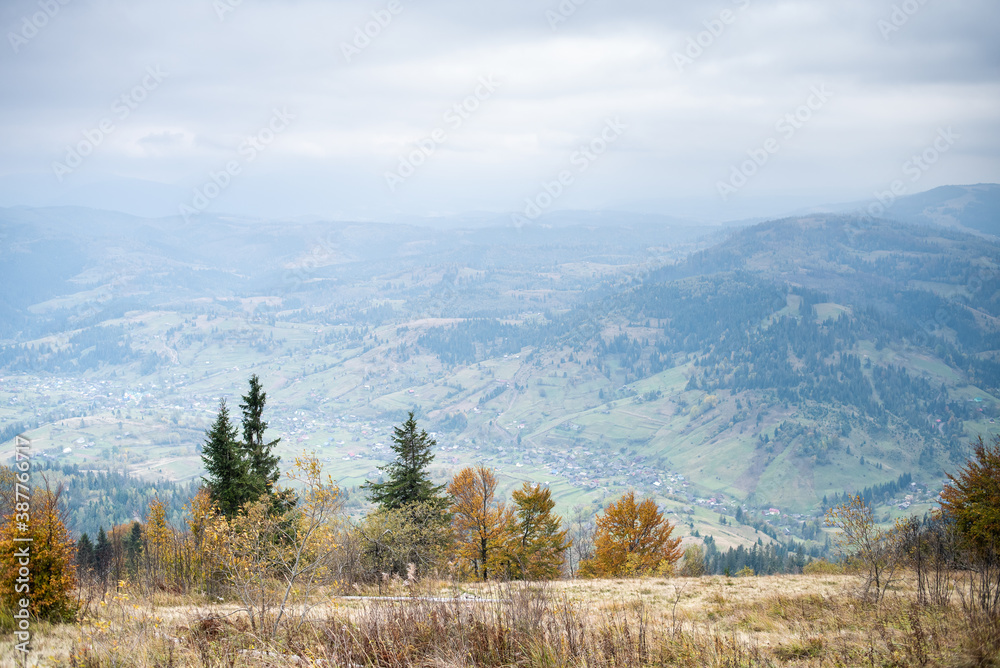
[[84, 555], [262, 465], [225, 464], [102, 555], [133, 547], [406, 479]]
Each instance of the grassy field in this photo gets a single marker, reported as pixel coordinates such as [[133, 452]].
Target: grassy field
[[806, 620]]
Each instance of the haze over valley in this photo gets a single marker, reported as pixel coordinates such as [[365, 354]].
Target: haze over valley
[[766, 368]]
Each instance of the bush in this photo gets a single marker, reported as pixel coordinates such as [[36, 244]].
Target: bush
[[693, 564], [822, 567]]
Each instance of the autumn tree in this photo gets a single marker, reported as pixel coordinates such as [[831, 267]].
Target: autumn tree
[[972, 503], [483, 523], [875, 550], [275, 559], [202, 511], [407, 480], [539, 543], [396, 540], [159, 543], [51, 551], [693, 564], [8, 481], [631, 539]]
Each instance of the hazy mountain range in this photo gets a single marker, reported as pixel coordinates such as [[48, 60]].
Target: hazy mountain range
[[765, 363]]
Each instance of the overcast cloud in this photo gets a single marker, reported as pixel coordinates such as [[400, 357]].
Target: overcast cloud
[[333, 117]]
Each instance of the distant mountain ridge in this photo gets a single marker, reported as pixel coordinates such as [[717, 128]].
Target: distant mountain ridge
[[778, 363], [969, 208], [972, 208]]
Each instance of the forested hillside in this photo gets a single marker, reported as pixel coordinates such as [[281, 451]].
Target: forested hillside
[[747, 374]]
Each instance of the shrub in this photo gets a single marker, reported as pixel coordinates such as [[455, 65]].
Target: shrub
[[693, 565], [822, 567]]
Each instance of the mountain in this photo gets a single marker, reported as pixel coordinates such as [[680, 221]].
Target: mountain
[[773, 366], [973, 208], [794, 357]]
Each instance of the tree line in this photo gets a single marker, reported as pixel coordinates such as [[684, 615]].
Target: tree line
[[270, 548], [266, 547]]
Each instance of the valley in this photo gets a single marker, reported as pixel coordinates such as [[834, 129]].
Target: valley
[[753, 372]]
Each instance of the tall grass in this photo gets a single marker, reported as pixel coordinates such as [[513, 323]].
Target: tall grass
[[712, 622]]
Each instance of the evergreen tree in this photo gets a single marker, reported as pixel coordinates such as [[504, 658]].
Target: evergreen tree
[[407, 480], [84, 555], [262, 465], [102, 554], [133, 547], [225, 465]]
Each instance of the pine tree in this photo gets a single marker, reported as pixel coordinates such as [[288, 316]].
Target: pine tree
[[225, 465], [407, 480], [262, 465]]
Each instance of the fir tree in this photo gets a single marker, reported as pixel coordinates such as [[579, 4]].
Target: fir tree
[[407, 481], [262, 465], [225, 465]]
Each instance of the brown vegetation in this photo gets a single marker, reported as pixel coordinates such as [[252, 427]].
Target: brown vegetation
[[711, 621]]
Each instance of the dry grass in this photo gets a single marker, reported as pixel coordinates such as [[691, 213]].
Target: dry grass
[[712, 621]]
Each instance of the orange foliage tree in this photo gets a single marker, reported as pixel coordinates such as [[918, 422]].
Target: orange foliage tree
[[631, 539], [972, 503], [51, 556], [972, 499], [483, 523]]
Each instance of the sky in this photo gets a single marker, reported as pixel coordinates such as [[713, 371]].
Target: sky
[[397, 109]]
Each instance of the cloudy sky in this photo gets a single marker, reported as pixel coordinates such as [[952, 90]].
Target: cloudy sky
[[375, 109]]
